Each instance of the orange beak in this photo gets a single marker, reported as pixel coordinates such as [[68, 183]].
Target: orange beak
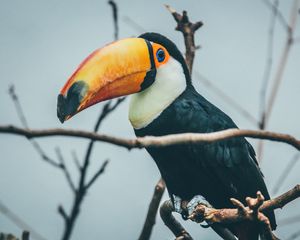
[[115, 70]]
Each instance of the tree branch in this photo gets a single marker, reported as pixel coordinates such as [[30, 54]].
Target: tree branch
[[115, 17], [63, 213], [150, 141], [278, 77], [242, 213], [97, 174], [188, 30], [177, 229], [152, 211], [65, 170], [254, 211]]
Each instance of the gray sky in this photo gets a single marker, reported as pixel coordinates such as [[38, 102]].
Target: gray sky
[[41, 44]]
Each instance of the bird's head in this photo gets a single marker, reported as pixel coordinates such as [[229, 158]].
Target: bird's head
[[120, 68]]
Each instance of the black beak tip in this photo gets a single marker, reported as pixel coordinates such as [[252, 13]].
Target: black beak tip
[[68, 105], [60, 108]]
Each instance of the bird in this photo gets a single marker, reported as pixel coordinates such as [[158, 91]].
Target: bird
[[164, 101]]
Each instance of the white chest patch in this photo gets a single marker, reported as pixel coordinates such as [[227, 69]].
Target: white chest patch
[[147, 105]]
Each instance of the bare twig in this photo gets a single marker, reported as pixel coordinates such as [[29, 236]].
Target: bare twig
[[76, 160], [65, 169], [18, 106], [152, 211], [274, 8], [21, 115], [188, 30], [97, 174], [291, 26], [63, 213], [269, 62], [20, 222], [115, 17], [83, 184], [288, 168], [149, 141]]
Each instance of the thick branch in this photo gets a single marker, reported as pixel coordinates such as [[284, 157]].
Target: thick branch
[[149, 141], [177, 229], [152, 211]]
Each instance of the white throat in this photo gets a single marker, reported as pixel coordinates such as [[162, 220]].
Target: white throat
[[147, 105]]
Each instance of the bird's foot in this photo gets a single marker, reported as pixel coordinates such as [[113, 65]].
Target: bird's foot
[[187, 208], [192, 204]]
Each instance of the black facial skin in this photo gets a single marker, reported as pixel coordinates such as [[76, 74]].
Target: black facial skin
[[68, 105], [150, 76]]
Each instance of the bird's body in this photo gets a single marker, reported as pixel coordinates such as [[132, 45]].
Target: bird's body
[[217, 171], [165, 102]]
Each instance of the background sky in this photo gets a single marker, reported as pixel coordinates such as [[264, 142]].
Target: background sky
[[41, 44]]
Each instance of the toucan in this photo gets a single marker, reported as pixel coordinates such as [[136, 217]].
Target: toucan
[[152, 69]]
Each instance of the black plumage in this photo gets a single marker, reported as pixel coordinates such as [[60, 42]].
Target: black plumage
[[218, 171]]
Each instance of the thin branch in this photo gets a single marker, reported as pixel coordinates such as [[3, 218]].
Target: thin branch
[[97, 174], [18, 106], [288, 168], [269, 63], [20, 222], [115, 17], [274, 8], [283, 60], [290, 28], [82, 187], [150, 141], [65, 169], [76, 160], [188, 30], [21, 115], [63, 213], [152, 211]]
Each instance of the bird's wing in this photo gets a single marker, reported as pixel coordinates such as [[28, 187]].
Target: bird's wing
[[231, 163]]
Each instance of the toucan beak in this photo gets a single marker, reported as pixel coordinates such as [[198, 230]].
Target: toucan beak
[[115, 70]]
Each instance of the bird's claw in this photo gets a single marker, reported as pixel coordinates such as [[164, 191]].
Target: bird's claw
[[190, 206]]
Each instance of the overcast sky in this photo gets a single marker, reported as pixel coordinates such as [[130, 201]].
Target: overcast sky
[[41, 44]]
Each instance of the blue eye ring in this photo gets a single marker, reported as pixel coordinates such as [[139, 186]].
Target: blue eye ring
[[160, 55]]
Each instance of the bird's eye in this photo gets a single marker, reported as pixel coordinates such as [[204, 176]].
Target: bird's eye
[[160, 55]]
